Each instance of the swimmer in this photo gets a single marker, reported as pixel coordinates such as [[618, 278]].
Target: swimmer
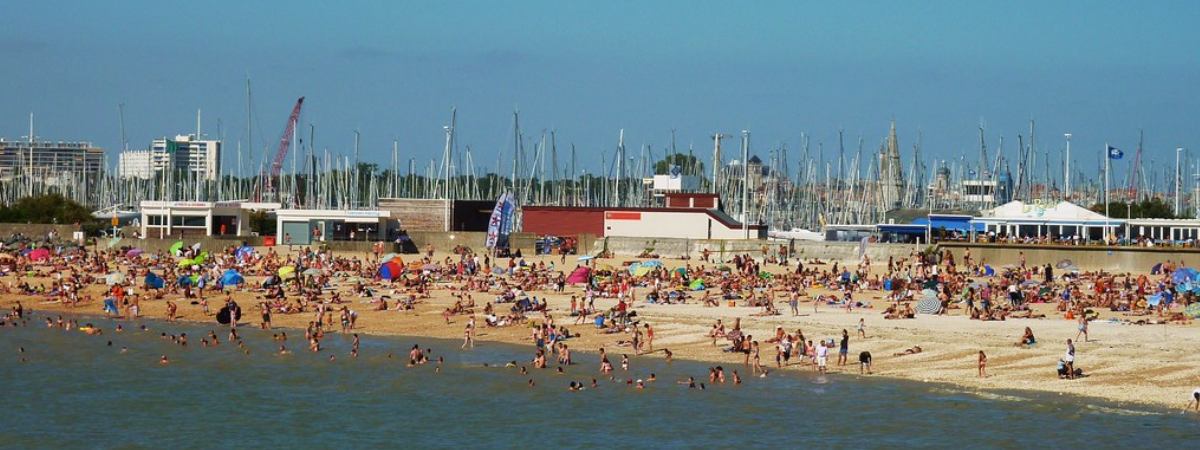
[[163, 360], [1194, 402], [737, 379], [531, 382], [124, 350], [652, 378]]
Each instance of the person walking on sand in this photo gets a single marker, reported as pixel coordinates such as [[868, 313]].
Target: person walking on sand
[[982, 365], [1194, 402], [794, 303], [1083, 328], [862, 328]]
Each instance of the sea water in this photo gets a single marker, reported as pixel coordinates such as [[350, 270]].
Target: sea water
[[77, 391]]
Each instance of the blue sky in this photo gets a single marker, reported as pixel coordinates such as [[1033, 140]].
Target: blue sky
[[393, 70]]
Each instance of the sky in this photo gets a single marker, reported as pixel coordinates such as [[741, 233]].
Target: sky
[[393, 70]]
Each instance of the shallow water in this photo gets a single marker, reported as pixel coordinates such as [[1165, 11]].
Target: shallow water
[[76, 391]]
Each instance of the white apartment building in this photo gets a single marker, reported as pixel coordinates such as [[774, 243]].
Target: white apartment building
[[183, 153]]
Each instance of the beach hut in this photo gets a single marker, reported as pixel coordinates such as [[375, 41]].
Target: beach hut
[[580, 275]]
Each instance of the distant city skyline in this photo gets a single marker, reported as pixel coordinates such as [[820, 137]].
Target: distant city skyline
[[393, 70]]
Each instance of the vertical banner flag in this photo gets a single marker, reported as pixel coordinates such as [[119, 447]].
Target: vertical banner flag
[[496, 221]]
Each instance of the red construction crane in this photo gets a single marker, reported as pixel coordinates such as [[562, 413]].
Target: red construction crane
[[285, 141]]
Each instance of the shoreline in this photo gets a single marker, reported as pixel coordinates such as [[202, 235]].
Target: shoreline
[[1145, 404]]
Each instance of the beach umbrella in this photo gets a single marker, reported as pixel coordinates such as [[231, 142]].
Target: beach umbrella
[[642, 271], [1192, 310], [390, 270], [1184, 274], [133, 252], [929, 305], [312, 272], [176, 247], [586, 258], [929, 293], [388, 256], [186, 262], [633, 268], [244, 252], [232, 278], [286, 271], [579, 275], [39, 254], [114, 278], [652, 263], [196, 247], [153, 281], [682, 271], [199, 259]]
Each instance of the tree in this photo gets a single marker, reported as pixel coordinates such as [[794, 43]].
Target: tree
[[51, 208], [687, 163], [1152, 208]]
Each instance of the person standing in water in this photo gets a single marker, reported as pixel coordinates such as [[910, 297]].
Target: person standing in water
[[844, 348], [469, 334]]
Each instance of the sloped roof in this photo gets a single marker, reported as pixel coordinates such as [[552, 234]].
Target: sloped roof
[[1061, 211]]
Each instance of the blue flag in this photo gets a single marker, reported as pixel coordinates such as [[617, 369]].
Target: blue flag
[[1115, 153]]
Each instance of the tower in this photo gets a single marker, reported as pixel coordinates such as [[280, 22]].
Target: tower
[[891, 174]]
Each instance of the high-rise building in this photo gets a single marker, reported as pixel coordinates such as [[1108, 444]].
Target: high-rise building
[[52, 162], [184, 153], [891, 174]]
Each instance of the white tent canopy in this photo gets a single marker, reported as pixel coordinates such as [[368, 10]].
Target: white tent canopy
[[1040, 212], [1059, 220]]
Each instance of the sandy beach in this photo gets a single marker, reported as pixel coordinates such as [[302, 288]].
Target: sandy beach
[[1143, 364]]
